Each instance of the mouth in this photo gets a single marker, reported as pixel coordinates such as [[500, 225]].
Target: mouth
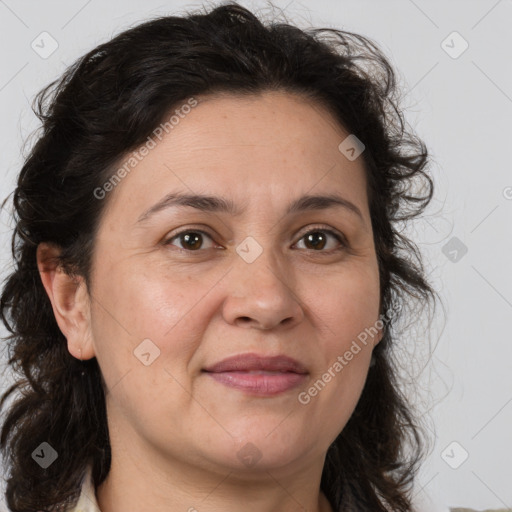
[[263, 383], [258, 375]]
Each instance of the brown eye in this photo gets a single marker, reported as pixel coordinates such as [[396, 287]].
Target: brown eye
[[190, 240], [317, 239]]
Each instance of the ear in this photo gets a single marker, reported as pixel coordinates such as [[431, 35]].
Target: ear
[[70, 301]]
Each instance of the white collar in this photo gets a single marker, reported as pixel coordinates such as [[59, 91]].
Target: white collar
[[87, 501]]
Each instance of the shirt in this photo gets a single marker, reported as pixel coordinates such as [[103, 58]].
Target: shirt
[[87, 501]]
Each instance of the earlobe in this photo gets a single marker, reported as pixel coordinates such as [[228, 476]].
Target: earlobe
[[69, 299]]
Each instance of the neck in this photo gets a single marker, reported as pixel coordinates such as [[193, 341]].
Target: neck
[[149, 483]]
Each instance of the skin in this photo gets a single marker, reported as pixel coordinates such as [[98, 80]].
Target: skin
[[175, 432]]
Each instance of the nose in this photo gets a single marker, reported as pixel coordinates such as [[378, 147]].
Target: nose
[[261, 294]]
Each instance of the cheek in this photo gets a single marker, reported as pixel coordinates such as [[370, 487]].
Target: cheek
[[346, 313], [142, 303], [347, 305], [145, 330], [135, 314]]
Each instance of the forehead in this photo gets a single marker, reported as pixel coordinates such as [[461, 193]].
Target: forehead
[[275, 123], [260, 148]]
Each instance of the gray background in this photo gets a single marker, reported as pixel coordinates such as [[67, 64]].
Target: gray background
[[462, 108]]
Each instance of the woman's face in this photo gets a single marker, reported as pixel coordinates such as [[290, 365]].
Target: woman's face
[[243, 280]]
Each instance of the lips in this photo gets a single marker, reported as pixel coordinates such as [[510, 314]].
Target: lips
[[258, 375], [255, 362]]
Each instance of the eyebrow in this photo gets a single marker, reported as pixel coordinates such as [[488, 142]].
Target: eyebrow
[[215, 204]]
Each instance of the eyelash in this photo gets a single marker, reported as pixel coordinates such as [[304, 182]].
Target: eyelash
[[340, 238]]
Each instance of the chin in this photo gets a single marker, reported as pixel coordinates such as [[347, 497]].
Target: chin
[[257, 450]]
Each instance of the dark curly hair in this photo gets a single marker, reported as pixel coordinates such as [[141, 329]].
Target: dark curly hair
[[107, 104]]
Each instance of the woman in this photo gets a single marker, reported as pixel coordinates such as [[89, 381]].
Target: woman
[[208, 271]]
